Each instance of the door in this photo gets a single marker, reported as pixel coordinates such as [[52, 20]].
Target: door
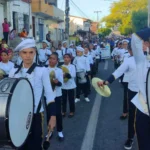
[[33, 26], [41, 31]]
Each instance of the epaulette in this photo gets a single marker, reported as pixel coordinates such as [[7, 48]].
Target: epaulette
[[16, 66], [85, 56], [126, 52]]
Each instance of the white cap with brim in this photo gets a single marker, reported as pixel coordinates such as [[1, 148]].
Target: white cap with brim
[[44, 41], [80, 49], [28, 43], [125, 41], [71, 45]]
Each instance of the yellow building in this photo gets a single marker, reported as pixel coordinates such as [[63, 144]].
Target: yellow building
[[46, 16]]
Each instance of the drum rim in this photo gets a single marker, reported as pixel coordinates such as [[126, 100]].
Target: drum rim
[[147, 99], [7, 110]]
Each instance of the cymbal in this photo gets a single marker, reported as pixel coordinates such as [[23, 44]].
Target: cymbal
[[103, 91]]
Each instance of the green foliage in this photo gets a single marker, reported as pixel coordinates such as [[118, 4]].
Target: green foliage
[[139, 19], [122, 13], [104, 31]]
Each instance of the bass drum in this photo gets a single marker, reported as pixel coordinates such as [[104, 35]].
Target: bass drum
[[16, 111]]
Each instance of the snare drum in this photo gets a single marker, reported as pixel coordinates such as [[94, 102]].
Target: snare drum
[[16, 111], [81, 76]]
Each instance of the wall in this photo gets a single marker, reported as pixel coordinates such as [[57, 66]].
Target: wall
[[76, 23], [1, 19], [21, 8]]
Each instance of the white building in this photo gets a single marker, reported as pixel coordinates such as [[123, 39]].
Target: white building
[[18, 14], [46, 16]]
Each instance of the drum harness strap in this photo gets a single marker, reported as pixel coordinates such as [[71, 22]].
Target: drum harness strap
[[42, 101]]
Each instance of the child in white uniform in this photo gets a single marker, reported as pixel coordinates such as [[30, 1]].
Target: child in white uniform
[[68, 88]]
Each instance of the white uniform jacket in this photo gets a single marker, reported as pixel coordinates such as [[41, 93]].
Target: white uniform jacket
[[43, 55], [81, 63], [39, 78], [60, 55], [6, 66], [142, 68], [66, 51], [70, 84], [59, 77], [129, 67], [89, 57]]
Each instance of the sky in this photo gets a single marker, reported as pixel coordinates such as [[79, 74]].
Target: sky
[[88, 7]]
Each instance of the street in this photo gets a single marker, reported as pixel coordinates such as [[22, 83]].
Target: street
[[96, 125]]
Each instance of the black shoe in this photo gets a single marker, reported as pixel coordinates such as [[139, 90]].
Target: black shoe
[[123, 117], [63, 115], [128, 144], [60, 139]]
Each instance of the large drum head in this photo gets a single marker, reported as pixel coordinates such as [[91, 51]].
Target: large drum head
[[148, 89], [20, 112]]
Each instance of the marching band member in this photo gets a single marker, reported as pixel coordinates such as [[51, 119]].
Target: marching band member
[[142, 123], [38, 77], [97, 53], [91, 51], [83, 68], [5, 64], [87, 54], [43, 54], [65, 50], [129, 67], [56, 76], [93, 54], [114, 55], [59, 51], [68, 88], [10, 54], [125, 54], [72, 51], [90, 59]]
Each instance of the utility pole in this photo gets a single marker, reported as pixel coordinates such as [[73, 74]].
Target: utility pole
[[67, 20], [97, 12], [149, 13]]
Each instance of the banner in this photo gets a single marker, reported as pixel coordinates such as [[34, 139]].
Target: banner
[[105, 53]]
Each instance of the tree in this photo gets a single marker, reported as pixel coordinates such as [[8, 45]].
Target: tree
[[121, 13], [104, 31], [139, 19]]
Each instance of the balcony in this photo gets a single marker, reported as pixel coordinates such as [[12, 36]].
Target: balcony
[[47, 11]]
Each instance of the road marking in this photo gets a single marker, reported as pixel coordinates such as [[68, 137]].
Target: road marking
[[106, 65], [89, 136]]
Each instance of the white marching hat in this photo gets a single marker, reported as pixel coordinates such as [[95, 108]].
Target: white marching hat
[[64, 42], [44, 41], [27, 43], [125, 40], [80, 49]]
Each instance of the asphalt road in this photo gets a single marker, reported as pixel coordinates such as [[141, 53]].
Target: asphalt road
[[96, 125]]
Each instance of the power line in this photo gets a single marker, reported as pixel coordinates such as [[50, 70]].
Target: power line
[[79, 12], [80, 9]]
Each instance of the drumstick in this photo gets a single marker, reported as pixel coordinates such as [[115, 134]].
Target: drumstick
[[49, 134]]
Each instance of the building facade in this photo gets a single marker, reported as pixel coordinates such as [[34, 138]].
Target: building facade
[[46, 16], [18, 14]]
